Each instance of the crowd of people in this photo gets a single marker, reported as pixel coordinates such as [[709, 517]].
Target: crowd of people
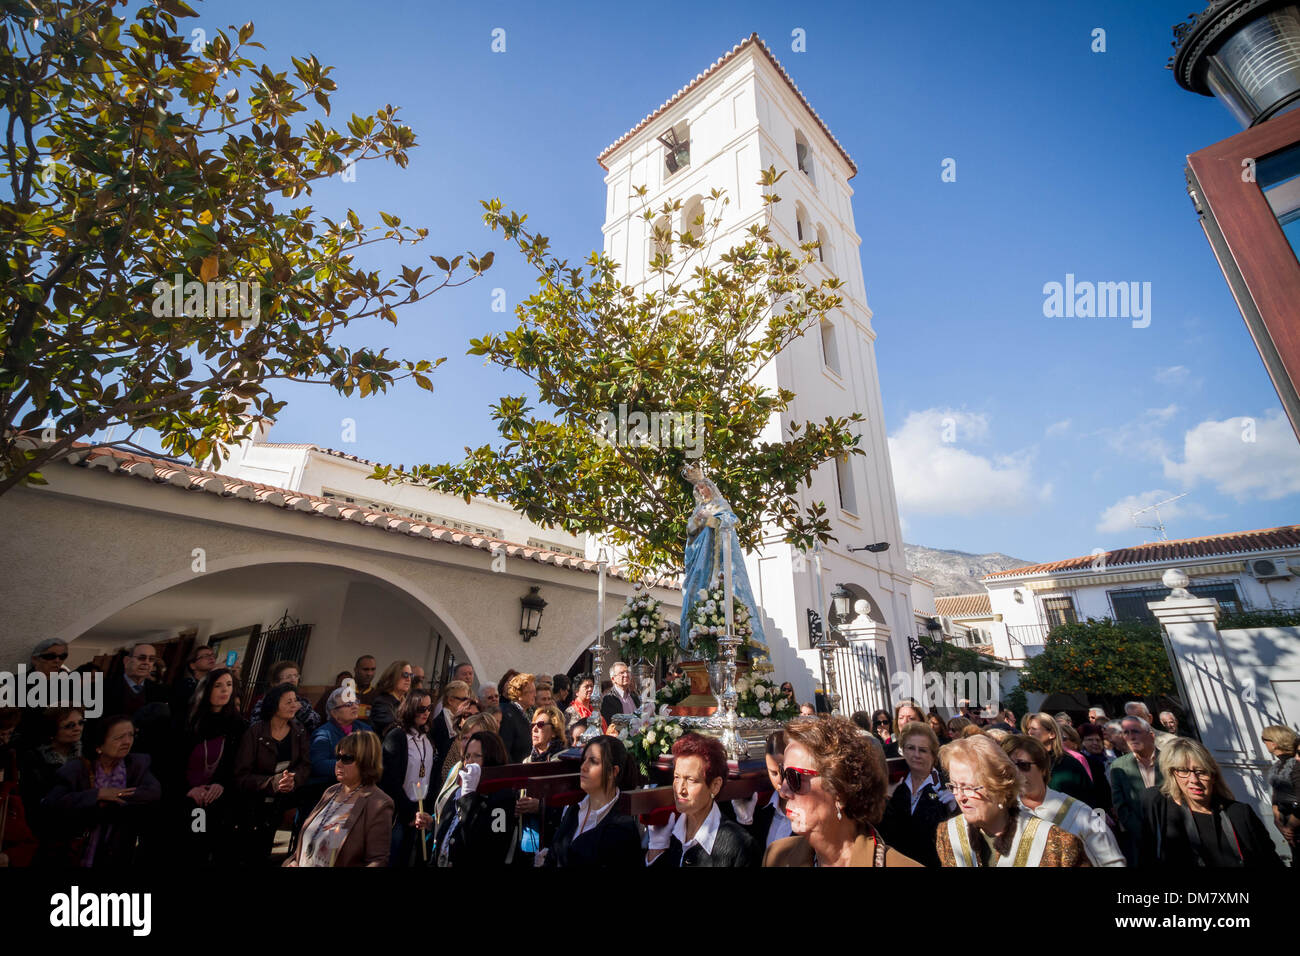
[[384, 769]]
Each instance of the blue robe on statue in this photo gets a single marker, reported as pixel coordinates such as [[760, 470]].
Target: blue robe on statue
[[711, 520]]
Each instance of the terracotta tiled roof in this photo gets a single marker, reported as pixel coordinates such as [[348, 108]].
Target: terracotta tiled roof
[[1267, 539], [963, 605], [165, 472], [735, 51]]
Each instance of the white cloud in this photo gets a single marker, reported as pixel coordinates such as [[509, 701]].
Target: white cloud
[[1247, 458], [1173, 375], [1141, 438], [935, 473], [1118, 517], [1058, 429]]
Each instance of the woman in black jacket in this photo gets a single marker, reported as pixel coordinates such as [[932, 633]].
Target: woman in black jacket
[[474, 830], [100, 807], [593, 832], [272, 764], [213, 734], [391, 690], [920, 802], [410, 764], [698, 834], [1193, 820]]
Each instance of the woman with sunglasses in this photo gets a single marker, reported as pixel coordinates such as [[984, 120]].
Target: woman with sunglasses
[[882, 728], [391, 690], [920, 802], [548, 743], [1192, 820], [833, 784], [41, 768], [474, 830], [353, 823], [993, 829], [410, 762], [443, 725], [1033, 766]]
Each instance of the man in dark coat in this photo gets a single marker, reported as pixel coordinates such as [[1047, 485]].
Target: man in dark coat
[[621, 699]]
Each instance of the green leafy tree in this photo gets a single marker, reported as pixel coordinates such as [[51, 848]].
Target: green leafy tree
[[1102, 658], [694, 341], [130, 164]]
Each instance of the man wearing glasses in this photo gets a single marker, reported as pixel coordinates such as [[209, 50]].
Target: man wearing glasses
[[1131, 775], [135, 689]]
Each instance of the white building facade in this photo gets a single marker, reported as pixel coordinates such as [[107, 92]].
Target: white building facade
[[736, 119], [1246, 571]]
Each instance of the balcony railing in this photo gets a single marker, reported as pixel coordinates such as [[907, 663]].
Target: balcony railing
[[1027, 640]]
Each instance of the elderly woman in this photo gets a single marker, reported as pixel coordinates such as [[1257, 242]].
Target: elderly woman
[[391, 690], [1192, 820], [342, 708], [833, 783], [993, 829], [1281, 743], [521, 695], [474, 830], [273, 762], [697, 834], [1074, 816], [593, 832], [1070, 771], [410, 762], [353, 823], [580, 708], [920, 802], [102, 805], [548, 744], [48, 657], [456, 694]]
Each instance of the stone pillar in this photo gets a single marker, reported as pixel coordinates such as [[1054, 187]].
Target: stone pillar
[[1223, 704], [865, 634]]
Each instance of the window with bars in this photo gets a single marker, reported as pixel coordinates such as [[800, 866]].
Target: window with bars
[[1059, 610], [1131, 604]]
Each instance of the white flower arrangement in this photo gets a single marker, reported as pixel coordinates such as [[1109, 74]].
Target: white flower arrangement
[[672, 693], [709, 621], [653, 741], [759, 698], [641, 630]]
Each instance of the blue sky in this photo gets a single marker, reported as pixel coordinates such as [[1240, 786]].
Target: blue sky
[[1068, 162]]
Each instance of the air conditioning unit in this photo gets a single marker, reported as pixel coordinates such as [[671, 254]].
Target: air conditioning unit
[[1264, 568]]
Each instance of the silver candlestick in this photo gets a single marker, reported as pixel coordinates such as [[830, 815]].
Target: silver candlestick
[[597, 653], [732, 742]]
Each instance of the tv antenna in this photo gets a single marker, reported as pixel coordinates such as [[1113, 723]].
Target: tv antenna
[[1159, 526]]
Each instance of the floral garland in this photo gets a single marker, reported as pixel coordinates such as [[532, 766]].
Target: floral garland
[[647, 741], [709, 621], [641, 630], [759, 697]]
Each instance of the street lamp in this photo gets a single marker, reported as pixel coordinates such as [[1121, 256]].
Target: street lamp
[[530, 615], [873, 548], [841, 613]]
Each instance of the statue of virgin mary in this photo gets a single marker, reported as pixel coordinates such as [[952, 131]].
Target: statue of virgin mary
[[710, 522]]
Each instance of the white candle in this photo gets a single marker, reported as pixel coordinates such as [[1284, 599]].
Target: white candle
[[726, 577]]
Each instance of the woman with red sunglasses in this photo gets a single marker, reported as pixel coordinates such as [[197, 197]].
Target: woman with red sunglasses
[[833, 784]]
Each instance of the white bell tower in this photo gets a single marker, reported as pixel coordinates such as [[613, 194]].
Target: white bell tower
[[732, 121]]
